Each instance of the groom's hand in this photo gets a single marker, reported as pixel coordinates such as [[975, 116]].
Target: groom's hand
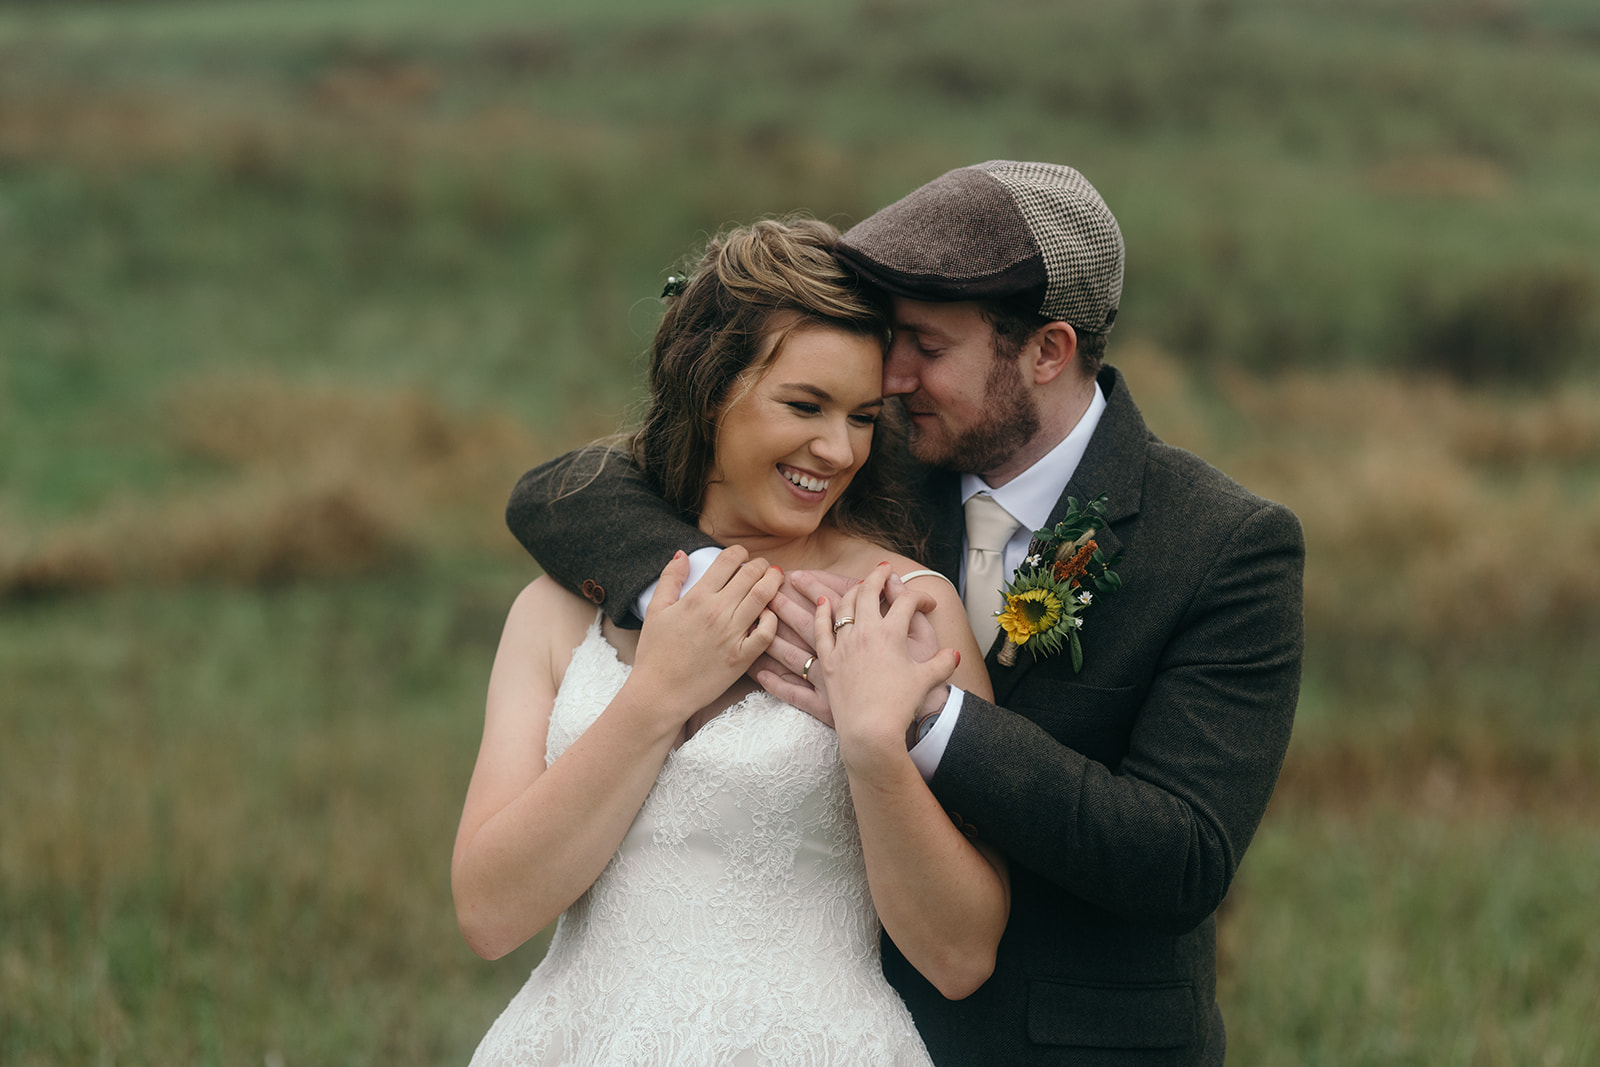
[[781, 671]]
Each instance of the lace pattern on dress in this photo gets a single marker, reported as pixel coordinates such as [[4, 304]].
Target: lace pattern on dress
[[734, 924]]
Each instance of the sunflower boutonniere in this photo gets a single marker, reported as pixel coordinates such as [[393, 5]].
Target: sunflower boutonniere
[[1044, 602]]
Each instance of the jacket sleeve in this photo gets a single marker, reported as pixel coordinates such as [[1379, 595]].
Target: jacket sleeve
[[1155, 839], [595, 523]]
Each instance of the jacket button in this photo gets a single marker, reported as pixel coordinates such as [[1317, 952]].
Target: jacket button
[[963, 825], [594, 591]]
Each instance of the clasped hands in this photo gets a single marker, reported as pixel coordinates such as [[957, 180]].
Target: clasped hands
[[860, 656]]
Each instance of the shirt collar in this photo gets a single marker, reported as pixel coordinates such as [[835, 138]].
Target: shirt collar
[[1031, 495]]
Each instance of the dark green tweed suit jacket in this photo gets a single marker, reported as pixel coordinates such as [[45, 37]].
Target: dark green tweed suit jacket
[[1124, 796]]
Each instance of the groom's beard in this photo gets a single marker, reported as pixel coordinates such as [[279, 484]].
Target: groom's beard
[[1009, 420]]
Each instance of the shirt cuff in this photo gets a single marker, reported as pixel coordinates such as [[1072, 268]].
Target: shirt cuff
[[927, 753], [699, 560]]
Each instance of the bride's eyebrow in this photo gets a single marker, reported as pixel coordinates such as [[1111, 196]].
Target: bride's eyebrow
[[807, 388]]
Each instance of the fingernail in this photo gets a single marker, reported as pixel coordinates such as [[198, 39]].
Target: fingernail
[[958, 657], [821, 600], [777, 568], [885, 563], [678, 554]]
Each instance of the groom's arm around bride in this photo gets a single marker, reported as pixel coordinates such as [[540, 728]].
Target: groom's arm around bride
[[1124, 794]]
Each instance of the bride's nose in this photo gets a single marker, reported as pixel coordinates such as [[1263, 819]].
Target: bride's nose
[[832, 444]]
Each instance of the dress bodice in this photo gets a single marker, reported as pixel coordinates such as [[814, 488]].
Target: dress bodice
[[733, 925]]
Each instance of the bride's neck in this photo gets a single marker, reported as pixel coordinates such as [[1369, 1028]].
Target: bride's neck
[[814, 551]]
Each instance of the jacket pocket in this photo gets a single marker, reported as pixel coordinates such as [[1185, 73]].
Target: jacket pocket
[[1144, 1016]]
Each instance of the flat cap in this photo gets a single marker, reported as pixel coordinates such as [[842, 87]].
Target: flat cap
[[1034, 232]]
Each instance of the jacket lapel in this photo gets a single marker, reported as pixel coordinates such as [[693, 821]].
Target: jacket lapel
[[1113, 464]]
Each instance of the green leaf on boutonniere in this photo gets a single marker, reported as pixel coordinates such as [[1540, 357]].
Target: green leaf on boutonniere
[[1044, 603]]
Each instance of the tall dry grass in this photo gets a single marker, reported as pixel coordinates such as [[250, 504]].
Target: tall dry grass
[[304, 482], [1437, 519]]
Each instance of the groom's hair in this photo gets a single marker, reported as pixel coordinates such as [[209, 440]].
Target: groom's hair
[[1013, 323], [754, 284]]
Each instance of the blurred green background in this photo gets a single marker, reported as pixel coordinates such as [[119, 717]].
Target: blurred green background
[[292, 290]]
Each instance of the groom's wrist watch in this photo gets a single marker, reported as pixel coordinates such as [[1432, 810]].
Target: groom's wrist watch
[[924, 725]]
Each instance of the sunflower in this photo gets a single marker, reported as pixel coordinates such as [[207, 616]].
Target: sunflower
[[1046, 598], [1028, 613]]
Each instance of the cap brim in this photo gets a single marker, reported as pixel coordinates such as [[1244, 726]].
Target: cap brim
[[1020, 282]]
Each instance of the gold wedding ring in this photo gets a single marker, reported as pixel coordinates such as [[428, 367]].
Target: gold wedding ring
[[805, 672], [846, 621]]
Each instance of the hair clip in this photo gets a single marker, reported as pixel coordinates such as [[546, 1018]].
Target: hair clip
[[676, 284]]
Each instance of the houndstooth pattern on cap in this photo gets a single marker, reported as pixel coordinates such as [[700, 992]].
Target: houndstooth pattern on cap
[[1077, 235]]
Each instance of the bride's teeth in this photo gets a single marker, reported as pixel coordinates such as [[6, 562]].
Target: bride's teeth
[[815, 485]]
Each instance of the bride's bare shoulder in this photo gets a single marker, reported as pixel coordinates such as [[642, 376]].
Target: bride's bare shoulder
[[546, 595], [857, 557], [544, 625], [546, 615]]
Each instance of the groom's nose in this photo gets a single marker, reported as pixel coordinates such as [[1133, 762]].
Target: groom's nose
[[901, 368]]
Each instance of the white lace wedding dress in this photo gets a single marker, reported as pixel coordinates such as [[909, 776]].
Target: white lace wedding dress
[[733, 926]]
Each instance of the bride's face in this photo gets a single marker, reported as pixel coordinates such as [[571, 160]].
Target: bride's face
[[788, 445]]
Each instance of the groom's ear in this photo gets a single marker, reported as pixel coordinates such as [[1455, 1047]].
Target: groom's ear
[[1051, 350]]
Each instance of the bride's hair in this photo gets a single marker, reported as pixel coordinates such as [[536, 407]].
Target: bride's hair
[[775, 274]]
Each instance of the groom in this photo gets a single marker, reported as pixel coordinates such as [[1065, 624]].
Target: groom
[[1123, 794]]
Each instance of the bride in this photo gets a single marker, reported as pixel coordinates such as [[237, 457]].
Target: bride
[[719, 860]]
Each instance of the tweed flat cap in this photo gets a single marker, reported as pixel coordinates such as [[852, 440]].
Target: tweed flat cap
[[1037, 232]]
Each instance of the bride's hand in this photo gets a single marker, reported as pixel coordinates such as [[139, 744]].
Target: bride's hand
[[695, 644], [869, 668]]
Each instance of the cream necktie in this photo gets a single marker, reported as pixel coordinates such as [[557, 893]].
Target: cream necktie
[[989, 527]]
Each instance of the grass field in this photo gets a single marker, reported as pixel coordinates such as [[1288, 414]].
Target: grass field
[[290, 292]]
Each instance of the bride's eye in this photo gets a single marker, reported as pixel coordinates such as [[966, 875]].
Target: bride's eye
[[805, 407], [864, 418]]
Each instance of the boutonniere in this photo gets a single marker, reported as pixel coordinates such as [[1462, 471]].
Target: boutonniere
[[1046, 598]]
